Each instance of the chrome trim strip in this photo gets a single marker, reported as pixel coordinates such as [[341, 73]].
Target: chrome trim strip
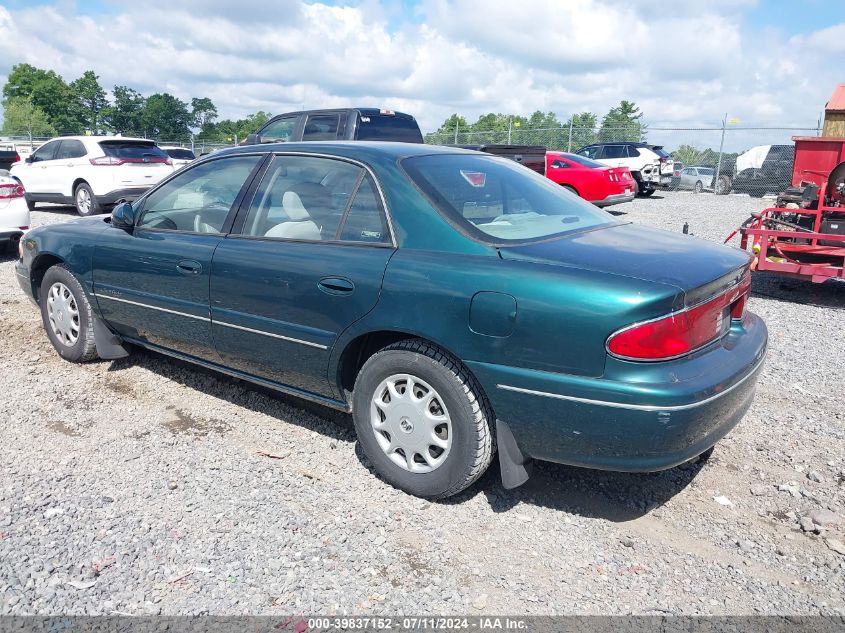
[[635, 407], [279, 336], [151, 307]]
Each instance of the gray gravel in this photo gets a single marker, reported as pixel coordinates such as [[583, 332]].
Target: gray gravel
[[147, 486]]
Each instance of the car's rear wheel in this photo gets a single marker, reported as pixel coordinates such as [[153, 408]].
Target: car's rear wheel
[[422, 420], [646, 192], [698, 187], [86, 201], [67, 315]]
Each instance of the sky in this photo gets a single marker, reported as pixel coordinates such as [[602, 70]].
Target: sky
[[768, 63]]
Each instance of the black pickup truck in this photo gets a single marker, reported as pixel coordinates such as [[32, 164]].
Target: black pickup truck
[[7, 158], [349, 124], [531, 156]]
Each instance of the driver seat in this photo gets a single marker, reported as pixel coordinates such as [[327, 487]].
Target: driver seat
[[299, 225]]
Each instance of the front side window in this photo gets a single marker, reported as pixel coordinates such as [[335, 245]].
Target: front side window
[[496, 200], [45, 152], [590, 152], [280, 130], [316, 199], [71, 149], [198, 200], [614, 151]]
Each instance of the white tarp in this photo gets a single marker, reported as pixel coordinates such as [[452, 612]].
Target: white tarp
[[753, 158]]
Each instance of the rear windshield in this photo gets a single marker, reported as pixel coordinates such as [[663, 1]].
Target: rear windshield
[[496, 200], [383, 127], [705, 171], [180, 154], [583, 160], [661, 152], [131, 149]]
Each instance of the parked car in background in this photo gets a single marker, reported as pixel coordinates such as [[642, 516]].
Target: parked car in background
[[697, 179], [593, 181], [14, 214], [8, 157], [351, 124], [759, 170], [676, 174], [650, 165], [443, 297], [531, 156], [180, 156], [91, 172]]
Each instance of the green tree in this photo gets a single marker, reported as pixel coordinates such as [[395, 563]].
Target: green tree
[[48, 92], [22, 117], [623, 123], [583, 130], [91, 99], [166, 118], [203, 113], [126, 114]]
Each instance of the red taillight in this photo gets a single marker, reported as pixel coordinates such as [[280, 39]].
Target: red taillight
[[17, 157], [12, 190], [681, 332]]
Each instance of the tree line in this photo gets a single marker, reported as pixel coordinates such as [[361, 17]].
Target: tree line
[[39, 102], [621, 123]]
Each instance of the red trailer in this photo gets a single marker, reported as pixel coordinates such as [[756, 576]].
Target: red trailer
[[804, 235]]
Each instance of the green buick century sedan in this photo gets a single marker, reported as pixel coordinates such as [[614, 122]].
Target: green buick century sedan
[[458, 304]]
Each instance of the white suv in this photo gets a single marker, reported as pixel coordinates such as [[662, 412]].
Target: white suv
[[92, 172], [650, 165]]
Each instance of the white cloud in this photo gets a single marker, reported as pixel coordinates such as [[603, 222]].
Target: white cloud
[[681, 67]]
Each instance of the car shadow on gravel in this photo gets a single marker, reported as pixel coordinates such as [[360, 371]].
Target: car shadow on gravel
[[596, 494], [255, 398], [830, 294]]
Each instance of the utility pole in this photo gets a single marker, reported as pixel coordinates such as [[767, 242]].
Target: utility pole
[[721, 147], [510, 125], [457, 123], [569, 144]]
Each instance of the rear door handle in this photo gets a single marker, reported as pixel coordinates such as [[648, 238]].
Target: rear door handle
[[189, 267], [336, 285]]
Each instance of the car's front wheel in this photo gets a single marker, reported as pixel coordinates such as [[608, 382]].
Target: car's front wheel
[[422, 420], [67, 315], [86, 201]]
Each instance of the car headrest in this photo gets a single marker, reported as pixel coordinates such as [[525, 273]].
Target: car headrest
[[293, 207]]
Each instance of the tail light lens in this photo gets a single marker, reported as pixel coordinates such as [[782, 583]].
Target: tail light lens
[[11, 190], [681, 332]]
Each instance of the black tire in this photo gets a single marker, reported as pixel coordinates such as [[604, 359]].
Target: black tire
[[698, 187], [85, 200], [84, 348], [472, 437], [572, 189], [647, 192]]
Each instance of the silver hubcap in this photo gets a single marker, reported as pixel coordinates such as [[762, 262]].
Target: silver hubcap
[[83, 200], [63, 314], [411, 423]]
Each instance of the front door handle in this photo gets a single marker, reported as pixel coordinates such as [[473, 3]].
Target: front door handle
[[189, 267], [336, 285]]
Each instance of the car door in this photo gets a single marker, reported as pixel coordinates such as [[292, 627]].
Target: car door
[[35, 174], [304, 261], [68, 159], [151, 283]]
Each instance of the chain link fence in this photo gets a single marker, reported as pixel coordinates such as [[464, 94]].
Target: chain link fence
[[730, 158]]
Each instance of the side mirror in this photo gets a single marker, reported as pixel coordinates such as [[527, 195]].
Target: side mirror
[[253, 139], [29, 159], [123, 216]]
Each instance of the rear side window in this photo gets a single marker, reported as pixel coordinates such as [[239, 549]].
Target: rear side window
[[133, 151], [365, 221], [633, 152], [71, 149], [614, 151], [496, 200], [383, 127], [321, 127]]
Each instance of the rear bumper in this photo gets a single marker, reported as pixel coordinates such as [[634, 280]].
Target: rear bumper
[[615, 198], [638, 417], [9, 233], [128, 193]]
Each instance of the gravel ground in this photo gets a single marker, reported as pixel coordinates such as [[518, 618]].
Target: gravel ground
[[146, 486]]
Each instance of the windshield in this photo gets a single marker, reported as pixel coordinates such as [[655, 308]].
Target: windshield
[[497, 200], [378, 127], [583, 160]]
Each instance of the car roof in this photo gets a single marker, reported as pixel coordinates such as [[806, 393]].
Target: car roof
[[634, 143], [351, 149], [364, 111], [98, 139]]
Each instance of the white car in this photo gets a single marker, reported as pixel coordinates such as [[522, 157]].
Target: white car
[[14, 214], [180, 156], [91, 172], [650, 165]]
